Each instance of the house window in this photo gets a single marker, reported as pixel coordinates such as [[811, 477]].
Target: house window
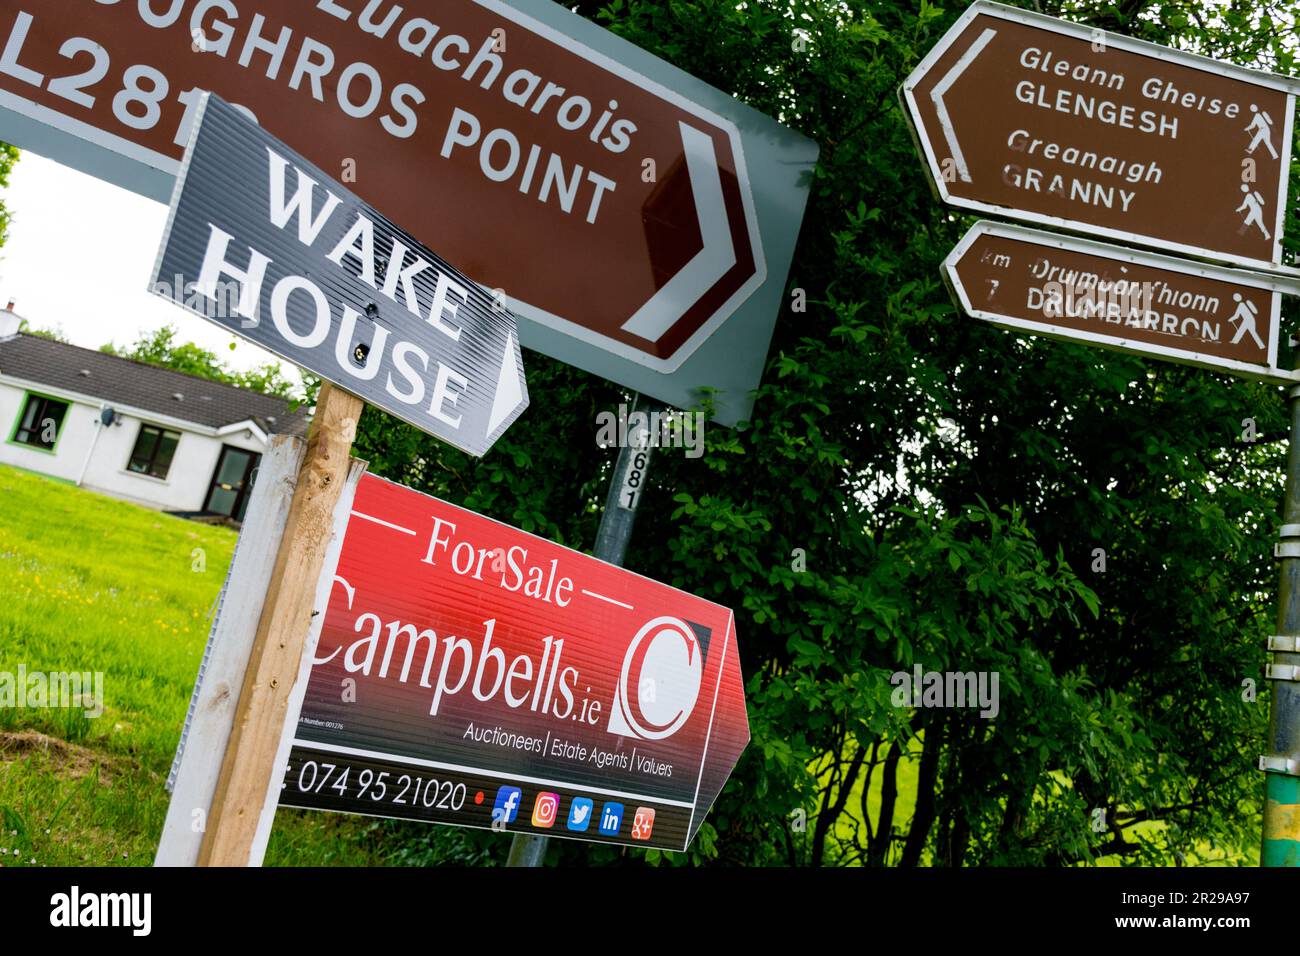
[[40, 422], [153, 452]]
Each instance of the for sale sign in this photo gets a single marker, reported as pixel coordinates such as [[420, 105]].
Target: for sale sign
[[469, 673]]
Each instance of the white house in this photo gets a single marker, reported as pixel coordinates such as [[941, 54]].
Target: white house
[[150, 435]]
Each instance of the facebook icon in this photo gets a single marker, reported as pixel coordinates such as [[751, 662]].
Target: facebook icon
[[506, 807]]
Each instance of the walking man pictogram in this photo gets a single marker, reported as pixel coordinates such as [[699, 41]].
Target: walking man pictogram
[[1246, 313], [1253, 207], [1262, 125]]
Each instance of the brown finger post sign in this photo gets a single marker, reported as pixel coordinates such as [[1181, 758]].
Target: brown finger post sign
[[1058, 124], [1188, 312], [639, 222]]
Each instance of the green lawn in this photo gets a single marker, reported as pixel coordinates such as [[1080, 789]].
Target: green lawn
[[88, 583]]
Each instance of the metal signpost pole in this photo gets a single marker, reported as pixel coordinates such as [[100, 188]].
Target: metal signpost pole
[[1281, 765], [612, 538]]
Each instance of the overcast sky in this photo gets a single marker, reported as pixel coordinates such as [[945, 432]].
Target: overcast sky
[[79, 257]]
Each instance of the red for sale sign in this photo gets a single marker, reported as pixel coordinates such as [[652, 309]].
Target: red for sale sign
[[469, 673]]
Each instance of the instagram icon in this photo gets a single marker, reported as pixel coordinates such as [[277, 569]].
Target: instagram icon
[[545, 809]]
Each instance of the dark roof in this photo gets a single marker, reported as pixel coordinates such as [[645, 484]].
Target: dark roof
[[124, 381]]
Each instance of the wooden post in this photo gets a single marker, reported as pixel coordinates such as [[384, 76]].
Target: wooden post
[[249, 764], [211, 714]]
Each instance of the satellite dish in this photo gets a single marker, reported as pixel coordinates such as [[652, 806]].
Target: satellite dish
[[107, 416]]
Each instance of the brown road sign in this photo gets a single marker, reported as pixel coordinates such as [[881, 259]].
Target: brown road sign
[[1068, 288], [638, 221], [1054, 123]]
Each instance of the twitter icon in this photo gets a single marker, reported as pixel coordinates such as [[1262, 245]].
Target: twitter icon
[[580, 814]]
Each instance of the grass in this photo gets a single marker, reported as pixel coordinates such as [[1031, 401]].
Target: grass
[[88, 583], [851, 821]]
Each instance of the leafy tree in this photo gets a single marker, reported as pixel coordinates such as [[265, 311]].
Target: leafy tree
[[160, 348], [55, 334], [8, 160], [919, 488]]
